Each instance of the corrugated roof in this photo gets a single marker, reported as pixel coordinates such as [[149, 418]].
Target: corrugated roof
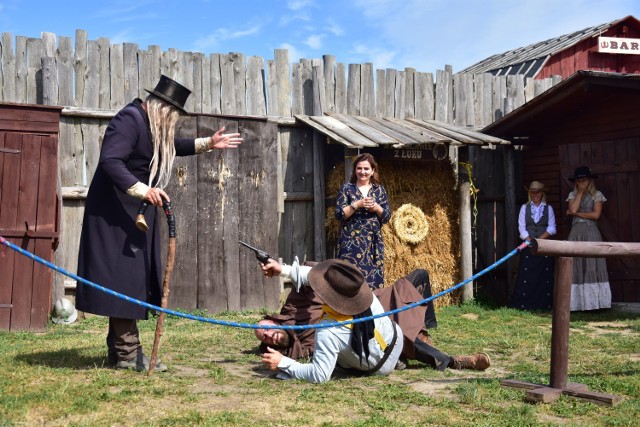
[[529, 60], [357, 131]]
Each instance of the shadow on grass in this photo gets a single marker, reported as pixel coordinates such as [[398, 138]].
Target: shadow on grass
[[617, 312], [67, 358]]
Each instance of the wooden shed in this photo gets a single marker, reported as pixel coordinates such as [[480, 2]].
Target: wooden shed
[[419, 162], [29, 212], [612, 47], [590, 119]]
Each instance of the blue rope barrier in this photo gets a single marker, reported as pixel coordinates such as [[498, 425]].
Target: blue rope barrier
[[54, 267]]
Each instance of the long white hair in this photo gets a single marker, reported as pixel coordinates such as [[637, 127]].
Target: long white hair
[[162, 118]]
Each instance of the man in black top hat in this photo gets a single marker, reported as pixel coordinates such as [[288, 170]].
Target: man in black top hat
[[135, 164]]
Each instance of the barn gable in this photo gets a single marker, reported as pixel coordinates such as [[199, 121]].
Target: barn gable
[[565, 54]]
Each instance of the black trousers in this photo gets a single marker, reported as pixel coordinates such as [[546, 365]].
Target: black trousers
[[424, 352]]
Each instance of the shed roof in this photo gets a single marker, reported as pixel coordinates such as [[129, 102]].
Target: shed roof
[[358, 132], [583, 88], [529, 60]]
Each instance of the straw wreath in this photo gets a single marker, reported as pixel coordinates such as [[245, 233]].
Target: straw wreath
[[410, 224]]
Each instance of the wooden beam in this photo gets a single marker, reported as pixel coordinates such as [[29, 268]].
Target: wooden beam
[[584, 249]]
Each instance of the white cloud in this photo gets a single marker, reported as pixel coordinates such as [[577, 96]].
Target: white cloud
[[380, 58], [287, 19], [334, 28], [211, 41], [123, 36], [298, 4], [314, 41]]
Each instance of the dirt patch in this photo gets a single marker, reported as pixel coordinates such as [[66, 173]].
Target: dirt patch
[[596, 329], [436, 388]]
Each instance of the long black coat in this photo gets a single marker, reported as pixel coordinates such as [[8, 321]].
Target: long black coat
[[114, 253]]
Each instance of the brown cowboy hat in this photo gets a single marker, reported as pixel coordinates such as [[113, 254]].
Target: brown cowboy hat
[[172, 92], [535, 186], [341, 286]]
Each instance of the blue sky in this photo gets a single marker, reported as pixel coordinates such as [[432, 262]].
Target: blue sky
[[423, 34]]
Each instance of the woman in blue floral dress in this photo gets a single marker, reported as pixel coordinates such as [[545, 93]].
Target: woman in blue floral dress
[[362, 207]]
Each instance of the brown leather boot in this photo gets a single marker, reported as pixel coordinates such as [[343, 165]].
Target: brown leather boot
[[478, 362]]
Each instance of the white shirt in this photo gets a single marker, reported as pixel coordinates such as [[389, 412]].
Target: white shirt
[[536, 213]]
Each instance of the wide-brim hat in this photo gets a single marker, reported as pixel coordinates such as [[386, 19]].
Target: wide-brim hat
[[535, 186], [172, 92], [341, 286], [582, 172]]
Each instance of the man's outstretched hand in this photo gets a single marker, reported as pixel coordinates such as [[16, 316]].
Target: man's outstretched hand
[[272, 358]]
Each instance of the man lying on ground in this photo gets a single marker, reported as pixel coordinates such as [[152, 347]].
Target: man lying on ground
[[306, 306]]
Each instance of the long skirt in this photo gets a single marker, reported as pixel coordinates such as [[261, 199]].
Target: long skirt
[[534, 287], [590, 289]]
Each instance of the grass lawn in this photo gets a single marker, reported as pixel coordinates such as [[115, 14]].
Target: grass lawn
[[61, 378]]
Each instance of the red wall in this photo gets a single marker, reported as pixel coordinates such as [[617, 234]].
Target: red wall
[[585, 56]]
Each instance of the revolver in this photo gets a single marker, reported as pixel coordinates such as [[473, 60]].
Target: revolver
[[261, 255]]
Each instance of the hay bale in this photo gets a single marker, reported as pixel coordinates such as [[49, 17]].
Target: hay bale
[[430, 187]]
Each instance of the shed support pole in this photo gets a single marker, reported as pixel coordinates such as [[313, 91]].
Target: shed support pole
[[510, 212], [465, 235], [319, 212]]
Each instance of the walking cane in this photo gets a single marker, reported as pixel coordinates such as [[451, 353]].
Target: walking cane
[[142, 225]]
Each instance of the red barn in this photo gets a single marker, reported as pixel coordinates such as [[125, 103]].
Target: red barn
[[611, 47]]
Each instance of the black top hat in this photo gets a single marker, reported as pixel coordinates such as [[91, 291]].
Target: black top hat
[[582, 172], [171, 91]]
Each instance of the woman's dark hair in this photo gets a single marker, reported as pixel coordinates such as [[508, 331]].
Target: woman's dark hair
[[365, 157]]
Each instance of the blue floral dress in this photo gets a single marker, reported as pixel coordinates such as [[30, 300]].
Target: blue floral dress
[[360, 240]]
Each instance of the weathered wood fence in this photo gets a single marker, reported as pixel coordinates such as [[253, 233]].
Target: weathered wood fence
[[92, 79]]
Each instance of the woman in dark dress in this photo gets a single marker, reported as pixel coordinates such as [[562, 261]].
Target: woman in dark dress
[[362, 207], [135, 163], [534, 288]]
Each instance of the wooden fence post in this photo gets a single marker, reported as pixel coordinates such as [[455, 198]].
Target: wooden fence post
[[560, 322]]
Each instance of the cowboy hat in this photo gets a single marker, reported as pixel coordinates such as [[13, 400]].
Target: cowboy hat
[[582, 172], [341, 286], [535, 186], [172, 92]]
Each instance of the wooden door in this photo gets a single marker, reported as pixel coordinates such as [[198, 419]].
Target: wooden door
[[29, 219]]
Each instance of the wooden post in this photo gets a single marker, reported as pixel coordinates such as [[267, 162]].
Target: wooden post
[[319, 245], [510, 212], [561, 318], [465, 235], [560, 322]]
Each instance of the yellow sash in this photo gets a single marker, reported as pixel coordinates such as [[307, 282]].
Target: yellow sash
[[338, 317]]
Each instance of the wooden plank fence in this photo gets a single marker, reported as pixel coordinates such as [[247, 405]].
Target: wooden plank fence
[[93, 79]]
